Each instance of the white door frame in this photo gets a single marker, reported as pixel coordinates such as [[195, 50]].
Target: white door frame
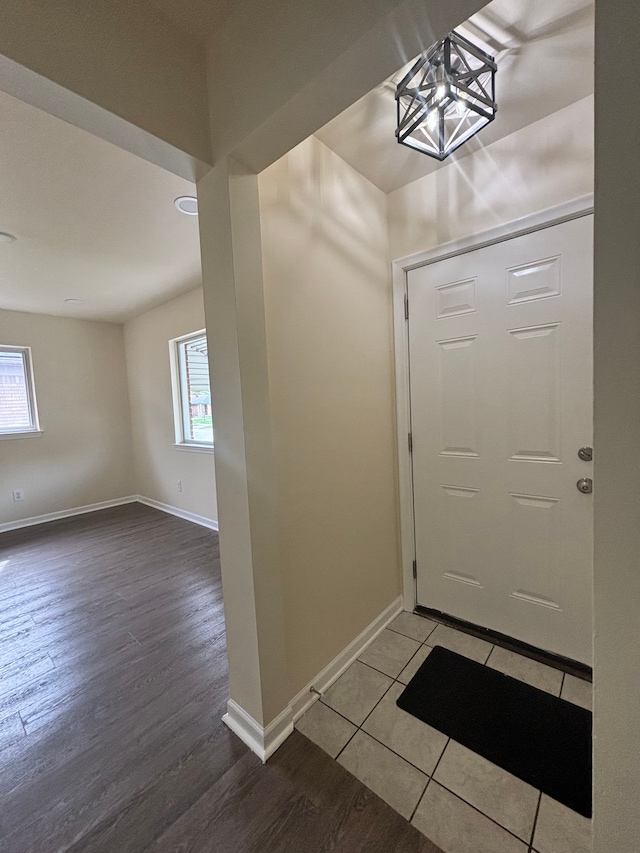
[[581, 206]]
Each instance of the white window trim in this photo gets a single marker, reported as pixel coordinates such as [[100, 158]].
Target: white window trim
[[33, 430], [32, 433], [177, 384]]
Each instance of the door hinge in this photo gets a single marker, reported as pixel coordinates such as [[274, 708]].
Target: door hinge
[[410, 437], [415, 569], [406, 306]]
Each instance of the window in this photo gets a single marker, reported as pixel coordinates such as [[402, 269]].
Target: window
[[18, 413], [191, 392]]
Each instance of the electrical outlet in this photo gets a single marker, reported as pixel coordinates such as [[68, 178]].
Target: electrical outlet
[[179, 485], [18, 494]]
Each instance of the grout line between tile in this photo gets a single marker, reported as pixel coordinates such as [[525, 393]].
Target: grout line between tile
[[397, 678], [406, 760], [376, 705], [373, 737], [430, 632], [535, 821], [431, 777], [441, 756], [326, 705], [429, 780], [406, 636], [348, 742], [475, 808], [420, 799], [393, 678]]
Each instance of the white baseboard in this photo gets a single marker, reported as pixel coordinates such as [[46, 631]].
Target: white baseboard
[[265, 741], [65, 513], [323, 681], [180, 513], [262, 741], [80, 510]]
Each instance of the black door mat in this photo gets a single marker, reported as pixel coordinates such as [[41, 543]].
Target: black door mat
[[537, 737]]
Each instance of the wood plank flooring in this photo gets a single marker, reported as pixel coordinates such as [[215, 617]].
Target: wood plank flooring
[[113, 682]]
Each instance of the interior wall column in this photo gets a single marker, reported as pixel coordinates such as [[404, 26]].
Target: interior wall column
[[249, 539], [617, 434]]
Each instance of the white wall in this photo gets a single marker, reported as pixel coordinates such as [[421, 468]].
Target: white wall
[[330, 359], [542, 165], [159, 465], [85, 453]]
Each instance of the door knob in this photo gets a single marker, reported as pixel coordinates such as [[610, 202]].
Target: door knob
[[586, 454], [585, 485]]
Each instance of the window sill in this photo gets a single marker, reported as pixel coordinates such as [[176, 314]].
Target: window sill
[[32, 433], [195, 448]]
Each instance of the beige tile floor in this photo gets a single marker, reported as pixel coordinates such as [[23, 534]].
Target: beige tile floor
[[456, 798]]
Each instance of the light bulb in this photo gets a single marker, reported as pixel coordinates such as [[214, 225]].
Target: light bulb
[[461, 109]]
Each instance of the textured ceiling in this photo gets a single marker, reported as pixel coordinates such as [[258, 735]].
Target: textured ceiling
[[545, 62], [92, 222]]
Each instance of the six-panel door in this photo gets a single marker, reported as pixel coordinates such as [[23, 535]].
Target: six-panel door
[[500, 351]]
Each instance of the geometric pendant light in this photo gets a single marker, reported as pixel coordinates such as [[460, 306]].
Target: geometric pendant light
[[446, 97]]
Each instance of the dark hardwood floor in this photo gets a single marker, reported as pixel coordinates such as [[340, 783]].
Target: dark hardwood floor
[[113, 682]]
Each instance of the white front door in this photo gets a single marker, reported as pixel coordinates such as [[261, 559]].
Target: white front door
[[500, 360]]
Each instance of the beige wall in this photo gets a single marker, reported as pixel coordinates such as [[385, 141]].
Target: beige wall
[[84, 455], [542, 165], [113, 53], [329, 343], [617, 820], [327, 298], [616, 449], [96, 445], [159, 465], [336, 71]]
